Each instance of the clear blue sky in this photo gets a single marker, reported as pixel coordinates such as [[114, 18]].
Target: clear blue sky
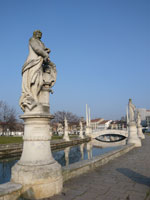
[[101, 49]]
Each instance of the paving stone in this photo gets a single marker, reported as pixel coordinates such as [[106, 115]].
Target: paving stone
[[124, 178]]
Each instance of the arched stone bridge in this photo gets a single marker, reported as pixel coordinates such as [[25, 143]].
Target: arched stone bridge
[[97, 133]]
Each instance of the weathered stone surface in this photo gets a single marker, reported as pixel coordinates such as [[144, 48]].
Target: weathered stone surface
[[9, 187], [10, 191], [37, 170], [38, 76], [133, 136], [38, 181]]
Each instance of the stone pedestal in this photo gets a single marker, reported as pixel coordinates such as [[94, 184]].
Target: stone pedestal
[[89, 150], [82, 151], [37, 171], [133, 137], [81, 134], [139, 132], [81, 130], [67, 150], [87, 131], [66, 136]]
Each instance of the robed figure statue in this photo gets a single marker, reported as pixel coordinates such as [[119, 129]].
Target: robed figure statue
[[37, 72], [39, 174], [131, 111], [138, 119]]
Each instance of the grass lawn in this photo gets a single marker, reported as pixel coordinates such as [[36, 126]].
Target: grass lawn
[[56, 137], [73, 136], [10, 139]]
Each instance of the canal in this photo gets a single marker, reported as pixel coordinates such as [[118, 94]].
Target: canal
[[65, 157]]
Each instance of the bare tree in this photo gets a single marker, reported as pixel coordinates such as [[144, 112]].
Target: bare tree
[[8, 117], [59, 116]]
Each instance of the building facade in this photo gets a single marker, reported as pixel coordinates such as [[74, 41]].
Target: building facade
[[145, 116]]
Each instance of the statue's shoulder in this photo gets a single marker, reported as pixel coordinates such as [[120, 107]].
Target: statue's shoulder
[[32, 39]]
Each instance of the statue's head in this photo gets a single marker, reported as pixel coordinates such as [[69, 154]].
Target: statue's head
[[130, 100], [82, 119], [37, 34]]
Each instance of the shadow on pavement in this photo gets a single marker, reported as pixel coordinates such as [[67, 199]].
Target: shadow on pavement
[[134, 176]]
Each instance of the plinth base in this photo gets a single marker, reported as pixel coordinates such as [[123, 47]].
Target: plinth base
[[133, 136], [88, 132], [81, 136], [140, 133], [38, 181], [66, 138], [37, 171]]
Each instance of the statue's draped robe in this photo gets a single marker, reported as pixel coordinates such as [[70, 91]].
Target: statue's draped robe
[[138, 119], [32, 73], [131, 112]]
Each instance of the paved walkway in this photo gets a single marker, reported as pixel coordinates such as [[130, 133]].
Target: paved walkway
[[124, 178]]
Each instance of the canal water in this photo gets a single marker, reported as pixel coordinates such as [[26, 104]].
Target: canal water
[[65, 157]]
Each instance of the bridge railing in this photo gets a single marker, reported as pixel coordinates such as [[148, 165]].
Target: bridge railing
[[98, 132]]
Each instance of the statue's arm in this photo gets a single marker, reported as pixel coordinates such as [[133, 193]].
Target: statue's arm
[[39, 50], [133, 107]]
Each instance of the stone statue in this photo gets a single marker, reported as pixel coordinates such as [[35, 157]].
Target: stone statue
[[133, 136], [38, 72], [138, 119], [60, 129], [66, 136], [66, 123], [37, 171], [131, 111], [81, 130], [81, 126], [139, 126]]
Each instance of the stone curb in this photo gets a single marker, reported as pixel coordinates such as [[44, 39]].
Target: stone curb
[[10, 191]]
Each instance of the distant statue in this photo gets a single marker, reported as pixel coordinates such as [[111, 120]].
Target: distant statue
[[131, 111], [138, 119], [66, 136], [66, 123], [81, 126], [81, 130], [37, 72], [139, 126]]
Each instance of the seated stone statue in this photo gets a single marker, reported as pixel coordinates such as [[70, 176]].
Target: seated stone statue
[[37, 71]]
